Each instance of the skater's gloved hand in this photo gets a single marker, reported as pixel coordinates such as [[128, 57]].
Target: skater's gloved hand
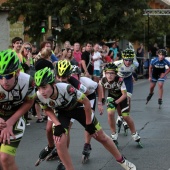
[[111, 103], [58, 130], [90, 128]]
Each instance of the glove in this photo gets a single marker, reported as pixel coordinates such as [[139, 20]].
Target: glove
[[103, 101], [91, 128], [111, 103], [58, 130]]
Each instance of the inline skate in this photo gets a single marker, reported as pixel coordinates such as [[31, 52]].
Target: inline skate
[[53, 155], [149, 97], [159, 103], [60, 166], [120, 121], [86, 152], [114, 138], [43, 154], [127, 165], [136, 138]]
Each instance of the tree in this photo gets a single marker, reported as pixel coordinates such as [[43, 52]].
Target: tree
[[89, 20]]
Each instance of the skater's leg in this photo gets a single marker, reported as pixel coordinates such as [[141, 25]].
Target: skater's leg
[[49, 133], [107, 142], [111, 120], [68, 135], [63, 153], [130, 123], [111, 147], [160, 89], [152, 86], [8, 162]]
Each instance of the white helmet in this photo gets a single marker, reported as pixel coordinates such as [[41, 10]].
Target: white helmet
[[76, 69]]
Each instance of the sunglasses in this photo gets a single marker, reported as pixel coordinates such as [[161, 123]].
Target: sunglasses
[[130, 60], [7, 76], [28, 48], [110, 73]]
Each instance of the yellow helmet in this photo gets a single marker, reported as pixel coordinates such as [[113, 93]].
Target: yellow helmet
[[63, 68]]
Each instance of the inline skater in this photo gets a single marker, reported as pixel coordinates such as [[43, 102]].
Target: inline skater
[[17, 97], [67, 101], [126, 68], [157, 73], [92, 87], [64, 69], [117, 97]]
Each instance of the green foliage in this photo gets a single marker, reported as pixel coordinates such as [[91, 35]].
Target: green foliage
[[90, 20]]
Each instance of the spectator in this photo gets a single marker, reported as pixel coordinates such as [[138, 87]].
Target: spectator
[[113, 51], [77, 53], [86, 61], [69, 56], [47, 45], [97, 58], [16, 45], [140, 58], [154, 50]]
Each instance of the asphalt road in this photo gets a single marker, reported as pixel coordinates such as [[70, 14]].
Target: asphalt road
[[152, 123]]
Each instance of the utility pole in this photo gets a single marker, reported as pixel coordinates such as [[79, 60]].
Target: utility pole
[[150, 12]]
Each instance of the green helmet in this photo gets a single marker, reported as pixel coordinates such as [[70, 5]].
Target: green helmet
[[63, 68], [128, 54], [110, 67], [43, 77], [9, 62]]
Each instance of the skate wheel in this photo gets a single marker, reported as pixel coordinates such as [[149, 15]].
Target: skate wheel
[[84, 159], [51, 157], [140, 145], [38, 162]]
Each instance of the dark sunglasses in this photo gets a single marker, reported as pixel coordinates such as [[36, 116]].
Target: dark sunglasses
[[28, 48], [130, 60], [7, 76]]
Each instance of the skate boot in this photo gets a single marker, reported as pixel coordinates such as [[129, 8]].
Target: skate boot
[[127, 165], [86, 152], [114, 138], [149, 97], [159, 103], [60, 166], [136, 138], [53, 155], [43, 154], [119, 123], [126, 127]]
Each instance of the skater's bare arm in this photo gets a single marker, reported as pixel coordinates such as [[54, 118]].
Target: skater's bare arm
[[49, 112], [150, 73]]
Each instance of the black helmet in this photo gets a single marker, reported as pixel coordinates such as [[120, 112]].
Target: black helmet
[[110, 66], [163, 52]]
